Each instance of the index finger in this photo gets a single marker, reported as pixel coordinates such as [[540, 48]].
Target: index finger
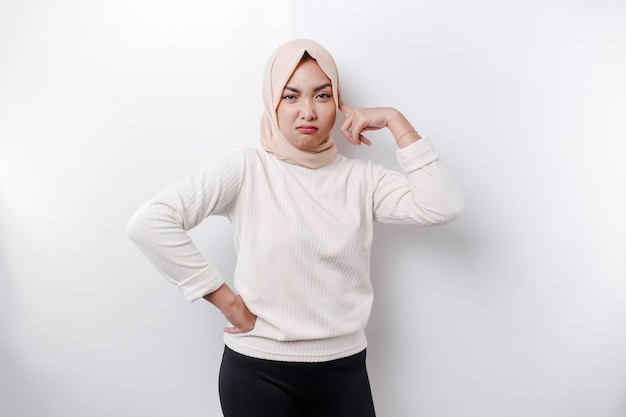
[[345, 109]]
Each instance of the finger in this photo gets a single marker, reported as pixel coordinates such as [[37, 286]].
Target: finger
[[353, 130], [365, 140], [356, 128], [345, 109], [353, 136], [347, 131], [232, 330], [235, 330]]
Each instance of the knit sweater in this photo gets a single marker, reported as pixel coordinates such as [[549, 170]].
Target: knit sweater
[[302, 238]]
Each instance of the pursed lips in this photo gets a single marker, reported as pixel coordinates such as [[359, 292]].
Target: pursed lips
[[307, 129]]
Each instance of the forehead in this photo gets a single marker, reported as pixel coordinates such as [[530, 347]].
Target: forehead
[[308, 72]]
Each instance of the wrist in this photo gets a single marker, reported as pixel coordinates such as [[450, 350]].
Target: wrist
[[395, 119], [407, 138], [223, 298], [398, 124]]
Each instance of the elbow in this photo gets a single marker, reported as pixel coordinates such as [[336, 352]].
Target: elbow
[[456, 208], [151, 220], [133, 228], [447, 212], [138, 228]]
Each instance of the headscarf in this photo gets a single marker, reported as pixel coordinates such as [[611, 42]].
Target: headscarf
[[280, 66]]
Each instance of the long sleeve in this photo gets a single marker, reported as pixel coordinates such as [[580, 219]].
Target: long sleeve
[[159, 228], [427, 196], [303, 240]]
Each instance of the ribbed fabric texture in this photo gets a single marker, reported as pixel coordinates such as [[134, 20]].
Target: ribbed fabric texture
[[303, 239]]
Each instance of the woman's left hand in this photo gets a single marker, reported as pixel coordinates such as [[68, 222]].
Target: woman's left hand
[[375, 118], [361, 120]]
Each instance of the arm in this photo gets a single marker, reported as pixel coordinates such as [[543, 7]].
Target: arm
[[429, 196], [361, 120], [233, 308], [159, 227]]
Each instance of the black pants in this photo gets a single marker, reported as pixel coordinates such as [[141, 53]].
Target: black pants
[[251, 387]]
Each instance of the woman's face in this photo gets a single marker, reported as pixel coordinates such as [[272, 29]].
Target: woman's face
[[306, 111]]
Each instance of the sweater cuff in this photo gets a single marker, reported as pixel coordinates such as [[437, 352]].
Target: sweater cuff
[[417, 155], [201, 284]]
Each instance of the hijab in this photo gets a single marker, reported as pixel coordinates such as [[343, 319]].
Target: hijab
[[280, 66]]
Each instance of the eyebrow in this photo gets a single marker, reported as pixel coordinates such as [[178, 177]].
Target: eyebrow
[[315, 90]]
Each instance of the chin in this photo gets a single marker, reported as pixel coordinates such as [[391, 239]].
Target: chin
[[310, 146], [307, 145]]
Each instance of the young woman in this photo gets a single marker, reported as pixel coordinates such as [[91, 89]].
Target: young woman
[[303, 223]]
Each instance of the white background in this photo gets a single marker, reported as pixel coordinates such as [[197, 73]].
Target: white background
[[517, 309]]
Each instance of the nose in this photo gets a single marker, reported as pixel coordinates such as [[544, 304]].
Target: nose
[[307, 112]]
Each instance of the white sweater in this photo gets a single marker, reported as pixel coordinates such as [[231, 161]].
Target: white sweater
[[302, 237]]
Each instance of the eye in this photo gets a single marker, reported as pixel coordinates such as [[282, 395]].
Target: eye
[[289, 97], [324, 96]]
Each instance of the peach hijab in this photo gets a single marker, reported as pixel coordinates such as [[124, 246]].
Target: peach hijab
[[280, 65]]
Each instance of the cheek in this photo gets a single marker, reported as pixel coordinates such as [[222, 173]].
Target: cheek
[[329, 116], [281, 115]]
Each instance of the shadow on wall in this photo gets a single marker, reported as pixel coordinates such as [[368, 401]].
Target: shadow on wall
[[413, 269], [409, 259]]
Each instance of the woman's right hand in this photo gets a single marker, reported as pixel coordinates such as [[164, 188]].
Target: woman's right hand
[[240, 317], [233, 308]]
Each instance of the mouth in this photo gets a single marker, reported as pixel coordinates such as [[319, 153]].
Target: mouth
[[307, 129]]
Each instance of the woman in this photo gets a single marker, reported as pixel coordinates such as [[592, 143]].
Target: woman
[[303, 219]]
